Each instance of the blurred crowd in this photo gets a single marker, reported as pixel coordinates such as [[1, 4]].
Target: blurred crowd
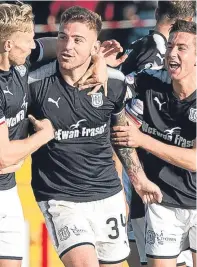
[[49, 13]]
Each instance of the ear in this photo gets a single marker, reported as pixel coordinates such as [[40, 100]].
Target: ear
[[190, 19], [8, 45], [96, 48]]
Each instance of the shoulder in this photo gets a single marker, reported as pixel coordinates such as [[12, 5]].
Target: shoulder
[[149, 75], [116, 80], [41, 79], [138, 43], [43, 72], [148, 79], [115, 75]]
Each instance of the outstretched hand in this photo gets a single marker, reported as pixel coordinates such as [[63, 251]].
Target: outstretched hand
[[110, 50]]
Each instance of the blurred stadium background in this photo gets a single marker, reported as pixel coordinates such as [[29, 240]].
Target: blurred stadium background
[[124, 21]]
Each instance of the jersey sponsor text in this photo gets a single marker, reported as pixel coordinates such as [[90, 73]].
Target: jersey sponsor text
[[84, 132], [169, 136], [14, 120]]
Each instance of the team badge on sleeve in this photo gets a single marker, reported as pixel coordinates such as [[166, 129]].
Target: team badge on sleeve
[[130, 79], [97, 100], [193, 114]]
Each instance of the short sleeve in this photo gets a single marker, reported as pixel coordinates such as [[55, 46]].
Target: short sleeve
[[33, 94], [116, 94], [130, 63]]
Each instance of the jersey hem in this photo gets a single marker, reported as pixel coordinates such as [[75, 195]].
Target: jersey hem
[[7, 187], [179, 206], [76, 199]]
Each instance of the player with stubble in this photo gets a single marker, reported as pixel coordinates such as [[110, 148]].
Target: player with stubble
[[73, 177]]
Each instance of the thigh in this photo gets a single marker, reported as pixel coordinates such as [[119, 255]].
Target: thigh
[[121, 264], [161, 262], [67, 225], [84, 255], [139, 233], [194, 256], [109, 224], [10, 263], [12, 228], [165, 234]]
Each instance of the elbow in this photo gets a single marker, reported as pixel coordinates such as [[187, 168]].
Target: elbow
[[192, 166]]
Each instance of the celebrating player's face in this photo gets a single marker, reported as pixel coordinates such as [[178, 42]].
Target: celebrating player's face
[[76, 42], [21, 45], [181, 55]]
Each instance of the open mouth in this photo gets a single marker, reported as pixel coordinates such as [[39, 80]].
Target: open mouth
[[174, 65], [66, 55]]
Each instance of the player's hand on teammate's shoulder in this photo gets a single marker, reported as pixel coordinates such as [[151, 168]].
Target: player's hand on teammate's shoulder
[[96, 76], [43, 125], [110, 50]]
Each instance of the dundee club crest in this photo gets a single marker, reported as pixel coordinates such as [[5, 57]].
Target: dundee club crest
[[193, 114], [97, 100]]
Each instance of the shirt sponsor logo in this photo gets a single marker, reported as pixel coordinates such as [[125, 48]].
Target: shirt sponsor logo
[[75, 132], [171, 135], [14, 120], [97, 100]]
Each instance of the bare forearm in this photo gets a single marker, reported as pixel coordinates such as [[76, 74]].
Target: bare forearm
[[17, 150], [127, 155], [181, 157]]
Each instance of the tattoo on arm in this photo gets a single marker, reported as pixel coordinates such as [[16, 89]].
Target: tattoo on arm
[[127, 155]]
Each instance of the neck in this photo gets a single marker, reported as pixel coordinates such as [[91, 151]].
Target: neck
[[163, 29], [184, 87], [4, 62], [74, 75]]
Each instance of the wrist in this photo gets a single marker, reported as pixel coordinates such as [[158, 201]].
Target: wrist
[[96, 57], [142, 140], [44, 137]]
